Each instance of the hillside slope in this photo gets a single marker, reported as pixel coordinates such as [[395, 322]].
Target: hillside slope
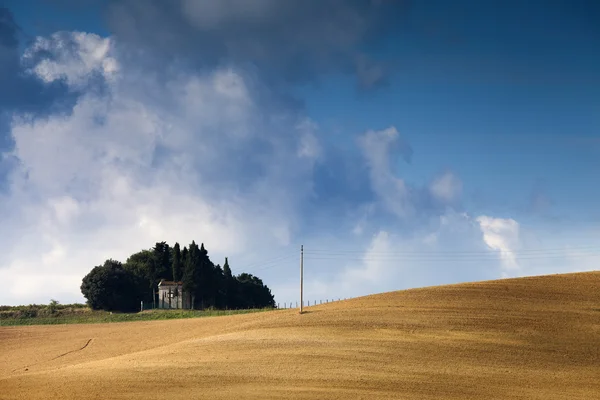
[[528, 338]]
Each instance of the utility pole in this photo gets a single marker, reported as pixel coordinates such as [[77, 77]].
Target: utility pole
[[301, 277]]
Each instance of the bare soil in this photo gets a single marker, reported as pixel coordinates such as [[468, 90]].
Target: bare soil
[[528, 338]]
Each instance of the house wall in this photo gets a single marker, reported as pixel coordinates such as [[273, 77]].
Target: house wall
[[175, 302]]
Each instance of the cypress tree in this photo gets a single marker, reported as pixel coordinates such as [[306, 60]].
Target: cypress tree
[[219, 284], [190, 272], [229, 286], [227, 270], [177, 266], [204, 284], [162, 253], [184, 257]]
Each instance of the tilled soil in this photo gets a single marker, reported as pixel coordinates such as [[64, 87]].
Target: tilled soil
[[528, 338]]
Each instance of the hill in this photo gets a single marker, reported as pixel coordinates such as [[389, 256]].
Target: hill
[[527, 338]]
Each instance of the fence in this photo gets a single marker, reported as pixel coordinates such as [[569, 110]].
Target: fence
[[148, 305], [296, 304]]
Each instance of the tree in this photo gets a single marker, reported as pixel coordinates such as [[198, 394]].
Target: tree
[[143, 265], [184, 255], [227, 270], [219, 285], [252, 293], [111, 287], [114, 286], [162, 254], [205, 286], [177, 267], [228, 286], [191, 271]]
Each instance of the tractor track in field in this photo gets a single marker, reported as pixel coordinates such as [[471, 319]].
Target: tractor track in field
[[26, 368]]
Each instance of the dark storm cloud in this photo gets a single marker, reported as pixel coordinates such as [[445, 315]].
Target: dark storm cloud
[[287, 41]]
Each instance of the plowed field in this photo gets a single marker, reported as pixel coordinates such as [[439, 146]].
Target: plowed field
[[528, 338]]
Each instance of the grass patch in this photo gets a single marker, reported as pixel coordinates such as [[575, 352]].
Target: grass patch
[[35, 315]]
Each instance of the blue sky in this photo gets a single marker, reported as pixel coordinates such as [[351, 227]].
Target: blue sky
[[404, 143]]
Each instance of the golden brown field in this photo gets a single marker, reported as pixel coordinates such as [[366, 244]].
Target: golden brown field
[[530, 338]]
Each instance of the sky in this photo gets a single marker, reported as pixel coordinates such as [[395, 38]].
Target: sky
[[402, 143]]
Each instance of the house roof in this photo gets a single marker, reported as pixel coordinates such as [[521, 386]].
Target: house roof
[[170, 283]]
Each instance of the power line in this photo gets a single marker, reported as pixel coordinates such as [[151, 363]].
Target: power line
[[424, 252], [490, 257], [282, 263], [267, 264]]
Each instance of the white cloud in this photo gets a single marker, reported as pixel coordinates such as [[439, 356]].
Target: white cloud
[[76, 55], [378, 147], [446, 188], [135, 164], [374, 267], [202, 156], [449, 249], [452, 248], [502, 235]]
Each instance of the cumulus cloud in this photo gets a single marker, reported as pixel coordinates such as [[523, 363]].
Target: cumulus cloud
[[142, 153], [76, 57], [502, 235], [197, 155], [131, 165]]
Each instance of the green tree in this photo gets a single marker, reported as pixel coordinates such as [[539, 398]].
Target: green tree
[[143, 265], [253, 293], [191, 271], [220, 289], [207, 284], [177, 266], [184, 257], [228, 286], [206, 290], [162, 254], [227, 269], [111, 287]]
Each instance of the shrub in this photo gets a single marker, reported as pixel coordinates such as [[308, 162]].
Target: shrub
[[27, 312]]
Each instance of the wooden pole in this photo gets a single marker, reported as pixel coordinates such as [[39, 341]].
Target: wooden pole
[[301, 277]]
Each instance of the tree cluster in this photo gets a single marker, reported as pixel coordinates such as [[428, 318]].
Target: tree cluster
[[115, 286]]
